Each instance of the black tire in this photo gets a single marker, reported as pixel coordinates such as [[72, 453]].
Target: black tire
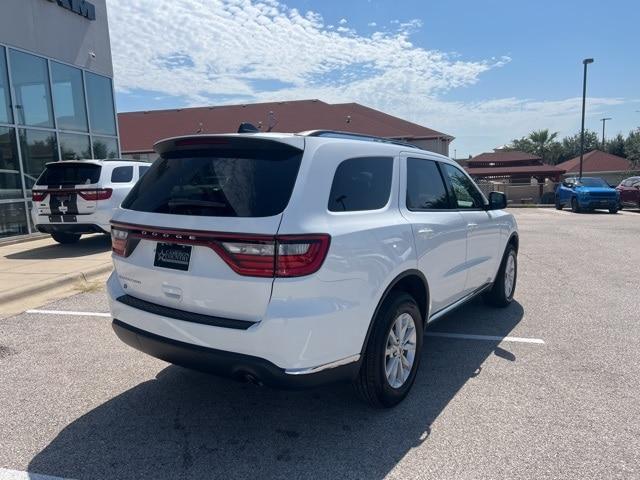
[[498, 296], [558, 204], [575, 208], [66, 238], [613, 210], [372, 384]]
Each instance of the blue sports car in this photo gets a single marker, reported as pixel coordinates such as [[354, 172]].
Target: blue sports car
[[586, 194]]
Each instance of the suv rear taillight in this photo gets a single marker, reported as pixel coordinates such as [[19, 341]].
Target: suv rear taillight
[[250, 255], [97, 194], [282, 256], [38, 196]]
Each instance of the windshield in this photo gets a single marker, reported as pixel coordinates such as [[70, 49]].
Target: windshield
[[591, 182], [255, 182]]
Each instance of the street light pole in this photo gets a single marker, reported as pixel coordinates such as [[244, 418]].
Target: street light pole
[[585, 62], [603, 120]]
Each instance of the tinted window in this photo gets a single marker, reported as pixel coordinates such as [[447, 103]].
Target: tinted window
[[68, 97], [425, 187], [38, 149], [100, 97], [10, 182], [105, 148], [74, 146], [5, 98], [122, 174], [361, 184], [31, 87], [247, 182], [465, 192], [71, 173], [142, 170]]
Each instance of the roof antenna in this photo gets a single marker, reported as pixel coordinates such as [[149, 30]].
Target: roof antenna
[[200, 129], [246, 127], [272, 122]]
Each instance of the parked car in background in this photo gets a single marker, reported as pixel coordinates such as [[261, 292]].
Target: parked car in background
[[74, 197], [586, 194], [299, 259], [629, 190]]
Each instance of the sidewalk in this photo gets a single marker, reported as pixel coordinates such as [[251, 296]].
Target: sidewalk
[[41, 270]]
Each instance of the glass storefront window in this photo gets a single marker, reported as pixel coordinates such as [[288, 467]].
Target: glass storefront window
[[104, 148], [68, 97], [74, 146], [38, 148], [6, 116], [13, 219], [29, 75], [10, 180], [100, 96]]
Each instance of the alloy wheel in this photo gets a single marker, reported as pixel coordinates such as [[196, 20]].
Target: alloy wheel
[[400, 350]]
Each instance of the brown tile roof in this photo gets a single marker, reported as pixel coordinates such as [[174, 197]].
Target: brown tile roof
[[523, 170], [596, 161], [514, 156], [140, 130]]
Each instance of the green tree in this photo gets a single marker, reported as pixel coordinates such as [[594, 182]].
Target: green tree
[[632, 148], [615, 145], [571, 145], [542, 141]]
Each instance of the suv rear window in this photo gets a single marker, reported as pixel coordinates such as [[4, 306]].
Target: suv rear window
[[361, 184], [239, 182], [72, 173]]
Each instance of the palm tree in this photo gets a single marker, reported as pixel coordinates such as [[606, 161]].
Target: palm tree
[[542, 141]]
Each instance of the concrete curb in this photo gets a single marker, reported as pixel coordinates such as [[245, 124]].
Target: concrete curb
[[61, 281]]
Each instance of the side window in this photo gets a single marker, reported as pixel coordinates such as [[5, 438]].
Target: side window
[[142, 169], [122, 175], [465, 192], [361, 184], [425, 187]]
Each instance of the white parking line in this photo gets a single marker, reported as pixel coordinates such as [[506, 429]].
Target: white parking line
[[66, 312], [485, 337], [6, 474]]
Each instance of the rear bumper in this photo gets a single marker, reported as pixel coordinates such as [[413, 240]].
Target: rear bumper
[[70, 228], [229, 364]]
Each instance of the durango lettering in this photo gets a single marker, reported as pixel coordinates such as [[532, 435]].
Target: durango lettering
[[81, 7]]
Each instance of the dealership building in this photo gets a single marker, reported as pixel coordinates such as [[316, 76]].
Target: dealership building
[[56, 95]]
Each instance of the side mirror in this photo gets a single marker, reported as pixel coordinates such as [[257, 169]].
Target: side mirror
[[497, 201]]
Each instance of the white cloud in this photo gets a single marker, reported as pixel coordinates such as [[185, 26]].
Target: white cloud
[[224, 51], [372, 24]]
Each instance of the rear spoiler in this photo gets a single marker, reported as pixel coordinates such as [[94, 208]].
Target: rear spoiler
[[234, 141]]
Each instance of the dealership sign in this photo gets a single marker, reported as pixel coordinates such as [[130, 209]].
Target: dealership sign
[[81, 7]]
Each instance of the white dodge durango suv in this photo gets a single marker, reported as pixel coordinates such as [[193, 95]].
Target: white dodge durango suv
[[299, 259], [73, 197]]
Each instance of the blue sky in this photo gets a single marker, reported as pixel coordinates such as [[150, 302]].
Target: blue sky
[[483, 71]]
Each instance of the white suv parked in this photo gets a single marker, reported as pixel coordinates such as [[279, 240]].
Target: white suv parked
[[299, 259], [73, 197]]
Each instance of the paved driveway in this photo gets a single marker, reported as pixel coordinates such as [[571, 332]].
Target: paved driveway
[[557, 397]]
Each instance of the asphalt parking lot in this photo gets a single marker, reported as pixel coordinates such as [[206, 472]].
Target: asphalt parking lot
[[558, 397]]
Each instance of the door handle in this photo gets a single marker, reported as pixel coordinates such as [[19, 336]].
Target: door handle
[[471, 226], [425, 231]]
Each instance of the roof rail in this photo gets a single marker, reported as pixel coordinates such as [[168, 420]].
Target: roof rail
[[355, 136]]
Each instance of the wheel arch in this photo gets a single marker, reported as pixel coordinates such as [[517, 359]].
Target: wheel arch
[[412, 282]]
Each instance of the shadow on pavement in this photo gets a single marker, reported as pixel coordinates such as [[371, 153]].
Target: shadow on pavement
[[184, 424], [88, 245]]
